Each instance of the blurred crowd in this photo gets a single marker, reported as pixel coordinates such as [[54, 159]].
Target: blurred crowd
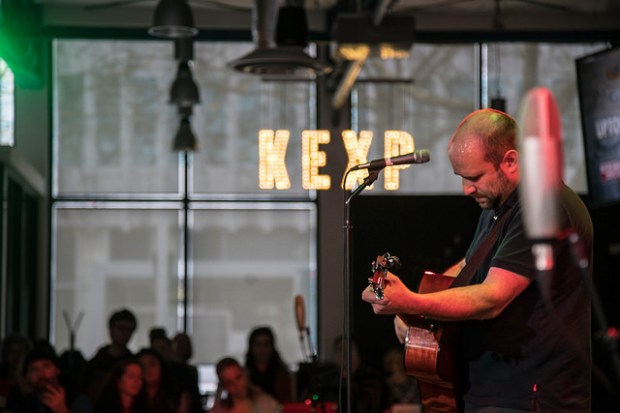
[[34, 378]]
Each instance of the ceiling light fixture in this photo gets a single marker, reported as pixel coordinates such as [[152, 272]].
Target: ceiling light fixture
[[184, 91], [287, 56], [173, 19], [185, 140], [292, 25]]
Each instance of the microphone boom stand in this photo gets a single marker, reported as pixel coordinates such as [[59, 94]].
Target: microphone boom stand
[[373, 174], [608, 335]]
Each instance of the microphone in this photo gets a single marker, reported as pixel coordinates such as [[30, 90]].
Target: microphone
[[300, 313], [419, 156], [541, 172], [304, 331]]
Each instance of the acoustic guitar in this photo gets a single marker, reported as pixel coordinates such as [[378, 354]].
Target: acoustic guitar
[[430, 346]]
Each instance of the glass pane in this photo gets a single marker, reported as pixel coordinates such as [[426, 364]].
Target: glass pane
[[425, 95], [522, 66], [106, 259], [7, 105], [249, 264], [114, 126], [233, 108], [443, 91]]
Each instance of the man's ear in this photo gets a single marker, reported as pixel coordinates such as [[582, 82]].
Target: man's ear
[[510, 163]]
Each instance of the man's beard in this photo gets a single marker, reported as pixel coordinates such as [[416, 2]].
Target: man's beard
[[500, 192]]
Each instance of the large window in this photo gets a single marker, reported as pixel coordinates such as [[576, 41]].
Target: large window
[[425, 95], [185, 241], [191, 242], [114, 126], [429, 93], [7, 105]]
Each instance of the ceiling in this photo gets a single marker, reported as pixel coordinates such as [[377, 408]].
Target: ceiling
[[430, 15]]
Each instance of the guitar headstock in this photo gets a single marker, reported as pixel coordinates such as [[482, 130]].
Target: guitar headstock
[[380, 267]]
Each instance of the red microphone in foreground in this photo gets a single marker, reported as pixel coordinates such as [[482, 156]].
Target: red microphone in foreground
[[304, 331], [541, 172]]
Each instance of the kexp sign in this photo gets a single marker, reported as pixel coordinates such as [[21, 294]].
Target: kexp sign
[[272, 169]]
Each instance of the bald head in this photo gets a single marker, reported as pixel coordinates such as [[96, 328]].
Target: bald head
[[482, 152], [495, 130]]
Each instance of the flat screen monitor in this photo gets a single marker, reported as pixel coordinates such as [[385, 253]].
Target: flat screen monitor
[[598, 77]]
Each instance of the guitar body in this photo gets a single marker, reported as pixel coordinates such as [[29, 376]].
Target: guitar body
[[430, 350]]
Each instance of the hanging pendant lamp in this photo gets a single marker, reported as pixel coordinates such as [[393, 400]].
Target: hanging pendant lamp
[[173, 19], [184, 91], [185, 140]]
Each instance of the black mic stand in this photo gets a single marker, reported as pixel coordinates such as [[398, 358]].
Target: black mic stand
[[543, 255], [373, 174], [607, 334]]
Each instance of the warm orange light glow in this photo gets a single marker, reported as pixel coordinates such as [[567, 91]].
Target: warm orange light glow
[[396, 142], [353, 51], [272, 146], [312, 159], [388, 51], [357, 152], [271, 159]]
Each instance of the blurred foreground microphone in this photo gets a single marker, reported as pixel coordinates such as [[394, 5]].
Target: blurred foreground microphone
[[300, 314], [419, 156], [541, 172], [304, 331]]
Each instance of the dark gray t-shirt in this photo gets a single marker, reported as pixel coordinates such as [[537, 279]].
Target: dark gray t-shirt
[[527, 357]]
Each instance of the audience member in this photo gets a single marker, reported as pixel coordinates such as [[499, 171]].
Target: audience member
[[14, 348], [368, 392], [241, 396], [123, 389], [72, 366], [44, 391], [183, 351], [121, 326], [401, 388], [265, 367], [164, 394], [183, 371], [160, 342]]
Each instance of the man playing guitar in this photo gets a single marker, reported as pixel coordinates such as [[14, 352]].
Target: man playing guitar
[[514, 355]]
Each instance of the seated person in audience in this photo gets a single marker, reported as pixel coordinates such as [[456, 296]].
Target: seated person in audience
[[160, 342], [72, 366], [265, 367], [236, 394], [182, 370], [123, 389], [164, 394], [43, 391], [182, 352], [121, 326], [401, 388], [14, 348], [368, 392]]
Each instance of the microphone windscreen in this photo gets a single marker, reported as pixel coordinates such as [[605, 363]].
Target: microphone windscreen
[[541, 163], [300, 312]]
